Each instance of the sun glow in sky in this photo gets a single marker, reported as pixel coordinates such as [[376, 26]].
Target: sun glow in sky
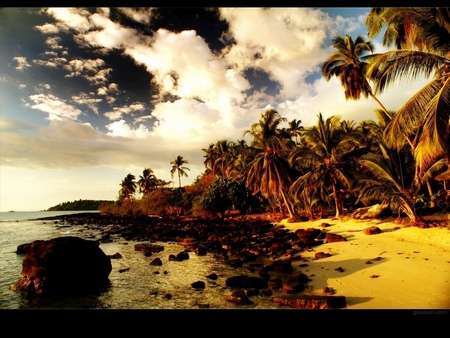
[[90, 95]]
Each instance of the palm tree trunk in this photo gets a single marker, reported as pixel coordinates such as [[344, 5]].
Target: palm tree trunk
[[381, 105], [291, 214], [337, 200]]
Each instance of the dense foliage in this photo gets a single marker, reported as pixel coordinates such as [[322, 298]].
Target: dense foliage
[[400, 161], [79, 205]]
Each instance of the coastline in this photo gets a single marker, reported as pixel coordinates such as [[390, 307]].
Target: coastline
[[409, 266], [412, 273]]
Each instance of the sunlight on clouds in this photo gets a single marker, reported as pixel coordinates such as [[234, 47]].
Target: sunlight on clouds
[[142, 15], [75, 18], [22, 63], [121, 128], [55, 107]]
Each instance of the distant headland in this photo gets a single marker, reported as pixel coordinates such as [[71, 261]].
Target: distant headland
[[79, 205]]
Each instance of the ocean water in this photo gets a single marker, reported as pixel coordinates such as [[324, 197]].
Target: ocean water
[[140, 286]]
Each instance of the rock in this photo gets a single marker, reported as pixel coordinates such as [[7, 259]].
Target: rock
[[275, 284], [319, 255], [244, 281], [239, 297], [252, 292], [280, 266], [373, 230], [115, 256], [63, 265], [330, 238], [198, 285], [307, 235], [234, 263], [339, 269], [157, 261], [292, 286], [201, 250], [265, 292], [148, 248], [311, 301], [212, 276], [328, 291], [182, 256]]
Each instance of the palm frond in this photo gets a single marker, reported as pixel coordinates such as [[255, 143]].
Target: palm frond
[[393, 66]]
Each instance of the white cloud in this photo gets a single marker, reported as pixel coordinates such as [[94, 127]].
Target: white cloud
[[56, 108], [142, 15], [22, 63]]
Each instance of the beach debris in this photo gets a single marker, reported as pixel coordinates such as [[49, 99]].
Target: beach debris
[[328, 291], [321, 254], [369, 262], [370, 212], [373, 230], [123, 270], [303, 265], [374, 276], [303, 301], [325, 225], [330, 238], [339, 269]]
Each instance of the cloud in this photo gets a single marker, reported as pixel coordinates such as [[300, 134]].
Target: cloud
[[56, 108], [119, 111], [22, 63], [142, 15]]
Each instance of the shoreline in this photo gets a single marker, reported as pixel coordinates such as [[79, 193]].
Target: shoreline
[[402, 267]]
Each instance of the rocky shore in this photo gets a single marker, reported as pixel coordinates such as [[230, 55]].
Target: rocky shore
[[251, 241]]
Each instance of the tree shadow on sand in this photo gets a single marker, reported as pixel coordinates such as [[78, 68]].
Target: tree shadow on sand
[[321, 270]]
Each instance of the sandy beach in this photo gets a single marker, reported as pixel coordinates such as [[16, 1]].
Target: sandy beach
[[399, 268]]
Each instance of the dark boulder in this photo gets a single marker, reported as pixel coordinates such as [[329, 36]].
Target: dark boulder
[[157, 261], [330, 238], [373, 230], [244, 281], [63, 265], [198, 285], [319, 255]]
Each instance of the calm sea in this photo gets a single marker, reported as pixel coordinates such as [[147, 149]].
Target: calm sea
[[140, 286]]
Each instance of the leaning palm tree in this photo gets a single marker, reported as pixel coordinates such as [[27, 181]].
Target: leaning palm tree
[[177, 166], [390, 181], [422, 39], [349, 65]]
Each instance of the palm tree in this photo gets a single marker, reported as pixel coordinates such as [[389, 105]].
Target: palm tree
[[177, 166], [128, 188], [295, 129], [147, 182], [348, 64], [269, 173], [425, 33], [327, 157], [391, 180]]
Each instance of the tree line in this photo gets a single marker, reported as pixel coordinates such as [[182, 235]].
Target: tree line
[[400, 161]]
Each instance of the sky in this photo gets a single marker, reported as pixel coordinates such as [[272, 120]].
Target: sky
[[89, 95]]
